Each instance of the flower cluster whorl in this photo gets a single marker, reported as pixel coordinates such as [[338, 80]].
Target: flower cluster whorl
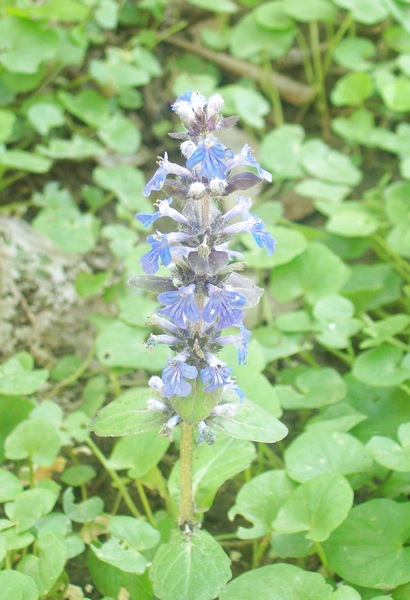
[[204, 293]]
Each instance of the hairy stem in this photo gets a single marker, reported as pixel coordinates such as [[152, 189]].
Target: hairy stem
[[186, 510]]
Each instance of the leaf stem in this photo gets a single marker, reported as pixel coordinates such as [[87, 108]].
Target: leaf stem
[[186, 509], [323, 559], [116, 478], [145, 503]]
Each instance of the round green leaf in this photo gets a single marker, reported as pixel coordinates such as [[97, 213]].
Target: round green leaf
[[125, 182], [368, 12], [310, 10], [36, 440], [272, 15], [318, 506], [389, 453], [316, 452], [30, 506], [289, 244], [369, 548], [88, 105], [45, 116], [259, 500], [382, 366], [46, 568], [10, 486], [248, 39], [136, 533], [278, 582], [324, 163], [16, 380], [224, 6], [78, 475], [317, 272], [249, 104], [120, 134], [358, 127], [353, 52], [125, 559], [397, 204], [82, 512], [352, 90], [139, 453], [17, 586], [398, 239], [280, 152], [190, 567], [334, 318], [380, 331], [78, 148], [396, 94], [17, 35], [317, 387]]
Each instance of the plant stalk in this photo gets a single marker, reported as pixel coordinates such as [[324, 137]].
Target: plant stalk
[[186, 510]]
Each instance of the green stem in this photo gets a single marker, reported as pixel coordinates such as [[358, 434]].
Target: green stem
[[259, 551], [319, 74], [186, 509], [145, 503], [116, 478], [323, 559]]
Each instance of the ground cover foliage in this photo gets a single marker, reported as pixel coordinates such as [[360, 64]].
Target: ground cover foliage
[[322, 89]]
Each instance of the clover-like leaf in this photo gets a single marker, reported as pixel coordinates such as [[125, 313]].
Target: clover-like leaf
[[16, 379], [324, 163], [316, 452], [369, 549], [37, 440], [383, 366], [389, 453], [318, 506]]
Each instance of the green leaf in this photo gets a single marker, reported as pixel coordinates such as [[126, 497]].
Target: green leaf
[[198, 405], [291, 545], [78, 475], [13, 410], [280, 152], [190, 568], [259, 500], [374, 538], [213, 465], [320, 190], [70, 11], [89, 284], [120, 134], [250, 422], [34, 439], [224, 6], [248, 39], [338, 417], [352, 220], [272, 15], [24, 161], [88, 105], [317, 387], [17, 586], [250, 105], [332, 166], [316, 452], [136, 309], [46, 568], [120, 345], [382, 367], [316, 273], [7, 121], [128, 415], [380, 331], [372, 286], [289, 244], [82, 512], [352, 90], [126, 183], [353, 52], [137, 534], [318, 506], [368, 12], [10, 486], [68, 228], [398, 239], [139, 453], [17, 35], [359, 127], [106, 14], [44, 116], [125, 559], [118, 71], [310, 10], [278, 582], [389, 453], [335, 323], [15, 379], [30, 506], [78, 148], [396, 94]]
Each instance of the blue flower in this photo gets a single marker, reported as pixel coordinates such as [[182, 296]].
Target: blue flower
[[261, 236], [246, 158], [149, 219], [240, 341], [181, 307], [165, 168], [159, 252], [217, 374], [173, 376], [223, 305], [212, 156]]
